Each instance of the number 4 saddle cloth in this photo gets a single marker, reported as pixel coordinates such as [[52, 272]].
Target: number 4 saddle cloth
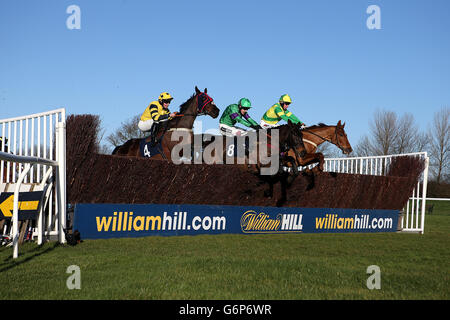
[[146, 149]]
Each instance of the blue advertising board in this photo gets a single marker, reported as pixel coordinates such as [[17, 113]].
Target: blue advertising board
[[100, 221]]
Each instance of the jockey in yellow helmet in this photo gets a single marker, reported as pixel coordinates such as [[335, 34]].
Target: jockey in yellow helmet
[[156, 113], [279, 112]]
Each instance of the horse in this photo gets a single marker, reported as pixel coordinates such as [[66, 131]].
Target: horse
[[289, 138], [314, 136], [199, 103]]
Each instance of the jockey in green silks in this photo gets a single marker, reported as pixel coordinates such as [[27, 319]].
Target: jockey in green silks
[[237, 113]]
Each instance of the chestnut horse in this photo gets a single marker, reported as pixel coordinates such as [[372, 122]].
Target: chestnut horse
[[198, 104], [316, 135]]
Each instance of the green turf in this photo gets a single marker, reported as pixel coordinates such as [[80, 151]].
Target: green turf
[[294, 266]]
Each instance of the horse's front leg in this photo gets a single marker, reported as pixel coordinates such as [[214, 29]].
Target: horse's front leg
[[308, 159], [320, 160]]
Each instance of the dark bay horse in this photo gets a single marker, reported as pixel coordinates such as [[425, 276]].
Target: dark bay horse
[[198, 104], [314, 136], [260, 147], [288, 139]]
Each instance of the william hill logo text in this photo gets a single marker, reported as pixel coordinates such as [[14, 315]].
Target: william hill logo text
[[127, 221], [253, 222]]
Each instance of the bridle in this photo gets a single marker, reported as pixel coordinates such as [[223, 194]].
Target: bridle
[[337, 144], [202, 101]]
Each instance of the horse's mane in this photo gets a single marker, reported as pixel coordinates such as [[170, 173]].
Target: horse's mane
[[319, 125], [185, 105]]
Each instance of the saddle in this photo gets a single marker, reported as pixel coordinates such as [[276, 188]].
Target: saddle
[[148, 149], [236, 144]]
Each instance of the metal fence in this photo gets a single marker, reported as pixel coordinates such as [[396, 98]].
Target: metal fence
[[34, 153], [413, 218]]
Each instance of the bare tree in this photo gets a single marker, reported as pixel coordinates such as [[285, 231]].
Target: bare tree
[[384, 129], [423, 141], [407, 134], [329, 150], [391, 135], [363, 148], [439, 135], [128, 130], [382, 137]]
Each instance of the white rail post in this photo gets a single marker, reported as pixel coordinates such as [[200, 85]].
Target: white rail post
[[15, 220], [424, 193], [61, 179]]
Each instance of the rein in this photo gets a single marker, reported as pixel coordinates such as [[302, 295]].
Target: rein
[[324, 139], [202, 101]]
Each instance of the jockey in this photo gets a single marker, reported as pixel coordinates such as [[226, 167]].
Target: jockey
[[156, 113], [279, 112], [237, 113]]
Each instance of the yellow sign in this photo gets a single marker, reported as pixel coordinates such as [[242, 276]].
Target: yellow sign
[[7, 206]]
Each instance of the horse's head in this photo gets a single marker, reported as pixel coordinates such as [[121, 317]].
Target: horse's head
[[290, 136], [205, 104], [340, 139]]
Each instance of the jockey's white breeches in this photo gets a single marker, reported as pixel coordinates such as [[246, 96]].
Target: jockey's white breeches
[[230, 131], [145, 125], [266, 125]]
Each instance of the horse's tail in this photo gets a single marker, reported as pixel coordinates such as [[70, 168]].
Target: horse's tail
[[115, 150]]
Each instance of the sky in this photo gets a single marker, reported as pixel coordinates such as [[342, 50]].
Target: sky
[[321, 53]]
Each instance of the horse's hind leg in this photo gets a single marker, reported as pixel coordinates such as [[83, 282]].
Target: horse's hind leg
[[309, 174], [283, 186], [269, 192]]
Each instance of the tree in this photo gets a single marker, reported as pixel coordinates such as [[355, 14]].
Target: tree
[[128, 130], [383, 131], [390, 134], [407, 136], [439, 135]]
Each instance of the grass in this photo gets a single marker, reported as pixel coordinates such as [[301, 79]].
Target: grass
[[294, 266]]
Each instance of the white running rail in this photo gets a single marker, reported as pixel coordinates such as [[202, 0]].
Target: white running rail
[[414, 213]]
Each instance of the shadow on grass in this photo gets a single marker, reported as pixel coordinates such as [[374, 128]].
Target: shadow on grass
[[10, 263]]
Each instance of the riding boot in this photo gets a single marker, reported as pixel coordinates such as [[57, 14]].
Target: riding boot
[[153, 134], [247, 147]]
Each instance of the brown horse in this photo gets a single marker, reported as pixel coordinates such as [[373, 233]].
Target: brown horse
[[198, 104], [222, 149], [316, 135], [275, 142]]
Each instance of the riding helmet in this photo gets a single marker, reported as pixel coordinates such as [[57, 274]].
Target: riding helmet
[[285, 98], [245, 103]]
